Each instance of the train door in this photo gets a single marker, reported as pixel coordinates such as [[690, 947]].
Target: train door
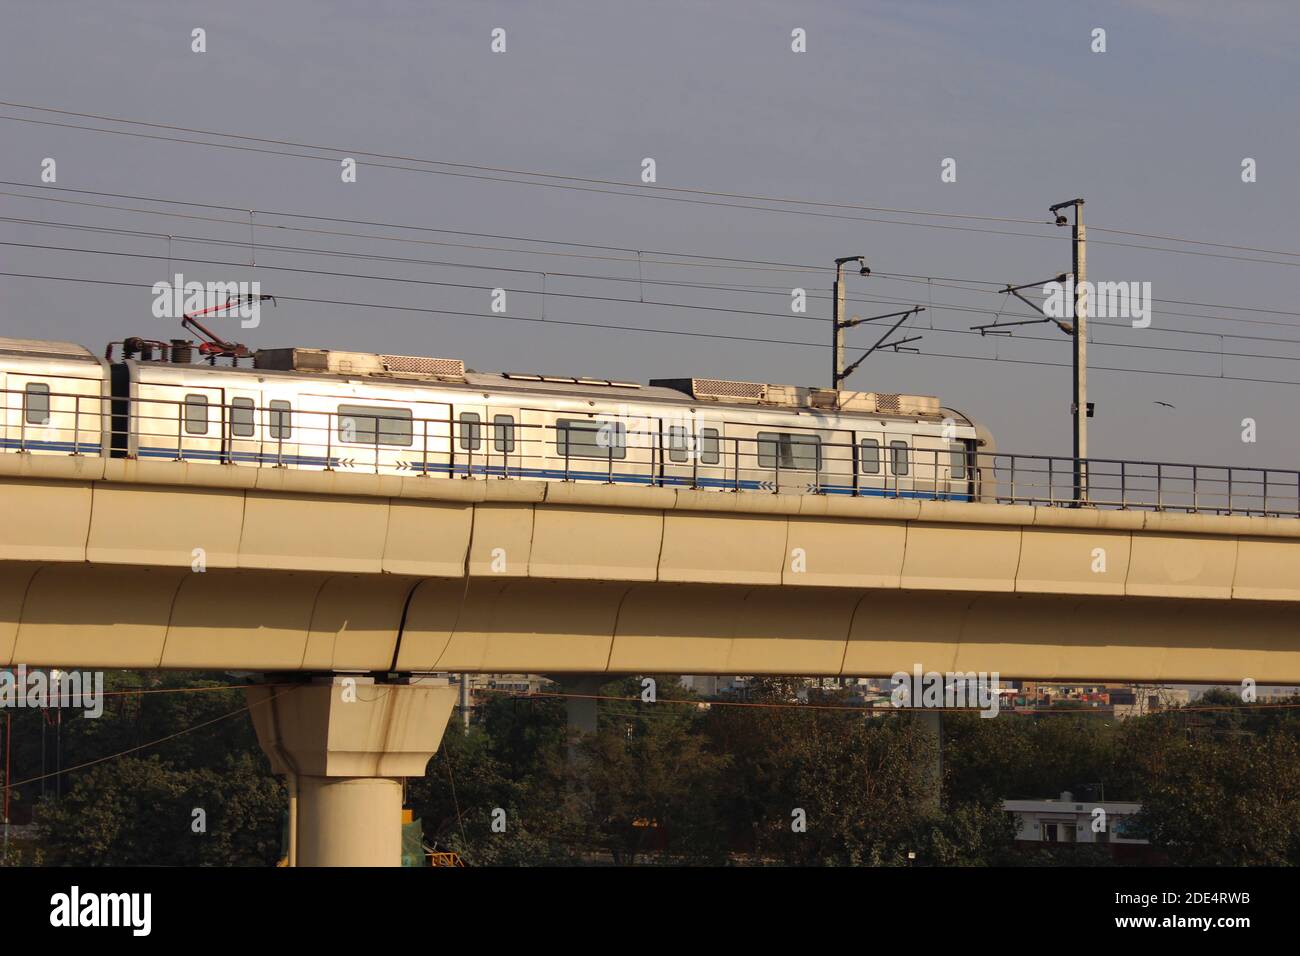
[[290, 437], [900, 461], [839, 459], [375, 435], [503, 442], [790, 461], [471, 441], [244, 433], [677, 449], [872, 472], [199, 423]]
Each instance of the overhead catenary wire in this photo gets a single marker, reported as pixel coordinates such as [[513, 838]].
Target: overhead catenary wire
[[682, 259], [696, 306], [553, 185], [336, 151], [636, 190], [681, 332]]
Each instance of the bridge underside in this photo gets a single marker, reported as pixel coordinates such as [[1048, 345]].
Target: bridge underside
[[124, 564], [84, 615]]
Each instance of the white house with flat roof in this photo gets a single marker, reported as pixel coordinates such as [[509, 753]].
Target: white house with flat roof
[[1067, 820]]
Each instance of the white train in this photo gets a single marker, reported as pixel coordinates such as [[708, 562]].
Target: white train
[[405, 415]]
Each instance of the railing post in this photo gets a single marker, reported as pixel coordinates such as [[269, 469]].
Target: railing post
[[1229, 490], [1123, 486], [424, 453], [329, 440], [1160, 487], [857, 467], [1051, 482], [735, 459]]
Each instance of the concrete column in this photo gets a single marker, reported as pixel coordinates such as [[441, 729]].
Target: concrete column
[[580, 712], [348, 743], [931, 724]]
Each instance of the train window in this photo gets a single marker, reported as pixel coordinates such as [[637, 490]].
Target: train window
[[796, 452], [471, 433], [678, 444], [36, 404], [503, 432], [241, 417], [869, 456], [281, 417], [589, 438], [898, 457], [957, 462], [196, 414], [710, 446], [368, 425]]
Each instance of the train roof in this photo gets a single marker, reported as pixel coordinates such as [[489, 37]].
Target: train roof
[[675, 390], [339, 365], [43, 348]]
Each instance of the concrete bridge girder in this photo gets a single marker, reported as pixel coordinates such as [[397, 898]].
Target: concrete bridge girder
[[315, 571]]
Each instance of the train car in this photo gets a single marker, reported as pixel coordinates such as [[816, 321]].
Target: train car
[[55, 398], [319, 409], [389, 414]]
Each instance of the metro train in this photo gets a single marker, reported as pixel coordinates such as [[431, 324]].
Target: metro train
[[319, 409]]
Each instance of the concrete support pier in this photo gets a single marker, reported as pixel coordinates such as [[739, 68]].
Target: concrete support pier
[[931, 724], [345, 744]]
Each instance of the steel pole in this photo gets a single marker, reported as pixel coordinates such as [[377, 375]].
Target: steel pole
[[1080, 359]]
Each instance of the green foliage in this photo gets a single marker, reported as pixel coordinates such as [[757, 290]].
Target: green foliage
[[141, 812], [137, 810], [1226, 803], [677, 781]]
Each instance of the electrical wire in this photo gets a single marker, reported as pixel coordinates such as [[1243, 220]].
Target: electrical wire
[[637, 255], [705, 308], [639, 190], [682, 332]]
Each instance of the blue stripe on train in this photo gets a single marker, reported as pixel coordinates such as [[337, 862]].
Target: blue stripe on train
[[28, 444], [261, 458], [544, 473]]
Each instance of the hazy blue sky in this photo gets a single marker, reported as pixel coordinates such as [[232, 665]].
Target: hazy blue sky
[[1152, 133]]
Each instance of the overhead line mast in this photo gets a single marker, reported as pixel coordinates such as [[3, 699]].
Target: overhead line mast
[[1080, 408]]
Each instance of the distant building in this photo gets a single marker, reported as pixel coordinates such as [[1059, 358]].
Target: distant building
[[712, 686], [509, 683], [1068, 820]]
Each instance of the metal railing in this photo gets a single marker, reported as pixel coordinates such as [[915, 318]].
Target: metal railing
[[69, 423]]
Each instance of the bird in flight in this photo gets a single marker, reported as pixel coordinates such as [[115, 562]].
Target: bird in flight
[[1165, 404]]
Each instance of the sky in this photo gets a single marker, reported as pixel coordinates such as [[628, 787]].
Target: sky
[[1152, 133]]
